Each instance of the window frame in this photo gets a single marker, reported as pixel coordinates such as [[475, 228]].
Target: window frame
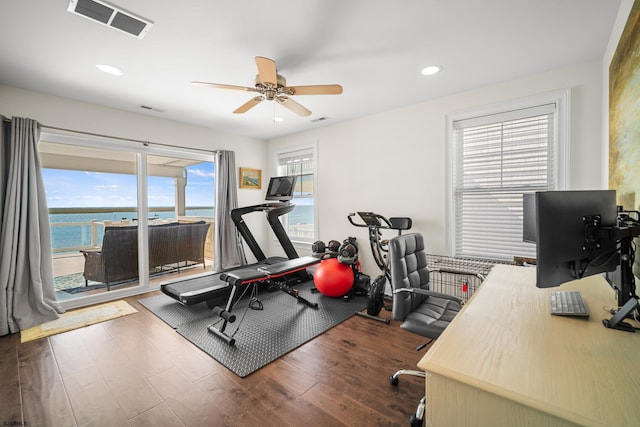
[[313, 149], [560, 98]]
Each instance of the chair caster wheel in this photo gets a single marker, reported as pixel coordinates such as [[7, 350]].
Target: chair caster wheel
[[415, 421], [393, 380]]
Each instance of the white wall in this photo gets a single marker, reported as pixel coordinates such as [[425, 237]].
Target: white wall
[[79, 116], [394, 163]]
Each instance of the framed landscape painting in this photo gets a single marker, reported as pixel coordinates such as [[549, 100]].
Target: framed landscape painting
[[250, 178], [624, 114], [624, 119]]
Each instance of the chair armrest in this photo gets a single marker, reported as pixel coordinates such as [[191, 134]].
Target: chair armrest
[[91, 253], [429, 294]]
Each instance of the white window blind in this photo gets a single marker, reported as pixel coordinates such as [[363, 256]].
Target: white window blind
[[301, 164], [300, 223], [497, 159]]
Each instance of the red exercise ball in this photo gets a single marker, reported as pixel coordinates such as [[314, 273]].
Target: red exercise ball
[[333, 278]]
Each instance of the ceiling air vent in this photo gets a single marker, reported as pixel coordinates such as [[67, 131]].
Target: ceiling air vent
[[111, 16]]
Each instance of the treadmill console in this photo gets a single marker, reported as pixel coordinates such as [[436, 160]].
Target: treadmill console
[[281, 188]]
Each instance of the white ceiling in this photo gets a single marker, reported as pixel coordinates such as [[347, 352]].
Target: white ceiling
[[373, 48]]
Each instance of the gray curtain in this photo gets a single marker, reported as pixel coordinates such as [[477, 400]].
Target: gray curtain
[[27, 296], [228, 251]]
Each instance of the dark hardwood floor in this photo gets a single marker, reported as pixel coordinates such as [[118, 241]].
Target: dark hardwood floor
[[137, 371]]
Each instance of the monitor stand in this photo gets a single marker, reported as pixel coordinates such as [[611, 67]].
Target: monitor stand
[[616, 322]]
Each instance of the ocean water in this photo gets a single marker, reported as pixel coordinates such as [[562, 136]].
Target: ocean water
[[73, 236], [302, 214]]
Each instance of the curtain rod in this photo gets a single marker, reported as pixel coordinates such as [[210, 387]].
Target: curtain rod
[[145, 143], [98, 134]]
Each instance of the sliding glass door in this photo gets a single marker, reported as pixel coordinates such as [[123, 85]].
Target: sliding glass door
[[125, 216], [180, 199]]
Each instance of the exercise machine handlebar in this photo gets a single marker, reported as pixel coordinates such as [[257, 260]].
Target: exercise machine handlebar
[[377, 221], [369, 219]]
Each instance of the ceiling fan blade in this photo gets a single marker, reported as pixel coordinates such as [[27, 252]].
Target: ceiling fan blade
[[221, 86], [314, 90], [248, 105], [267, 71], [293, 106]]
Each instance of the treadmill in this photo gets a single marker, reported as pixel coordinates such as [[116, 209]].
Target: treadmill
[[215, 288]]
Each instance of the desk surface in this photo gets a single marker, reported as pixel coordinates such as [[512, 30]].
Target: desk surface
[[506, 343]]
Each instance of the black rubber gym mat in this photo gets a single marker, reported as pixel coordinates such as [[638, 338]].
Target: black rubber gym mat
[[261, 336]]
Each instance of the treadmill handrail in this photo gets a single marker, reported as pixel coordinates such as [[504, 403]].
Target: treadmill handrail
[[273, 211]]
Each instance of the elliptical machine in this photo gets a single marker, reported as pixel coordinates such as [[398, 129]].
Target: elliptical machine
[[379, 248]]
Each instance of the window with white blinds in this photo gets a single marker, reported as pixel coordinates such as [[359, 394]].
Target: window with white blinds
[[300, 223], [496, 159]]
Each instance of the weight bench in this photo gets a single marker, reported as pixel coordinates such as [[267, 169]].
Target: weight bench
[[279, 276]]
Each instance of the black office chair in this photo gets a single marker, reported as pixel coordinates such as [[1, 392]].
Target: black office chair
[[420, 310]]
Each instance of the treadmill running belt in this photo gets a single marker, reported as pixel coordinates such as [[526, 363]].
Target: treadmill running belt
[[211, 286]]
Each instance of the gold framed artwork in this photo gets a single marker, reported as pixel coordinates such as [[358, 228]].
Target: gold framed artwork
[[624, 114], [251, 178], [624, 119]]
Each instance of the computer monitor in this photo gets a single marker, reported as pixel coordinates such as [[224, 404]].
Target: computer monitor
[[281, 188], [574, 234]]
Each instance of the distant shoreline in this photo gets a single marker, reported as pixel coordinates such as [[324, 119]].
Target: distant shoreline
[[108, 209]]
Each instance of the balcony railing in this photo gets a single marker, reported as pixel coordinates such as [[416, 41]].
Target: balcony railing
[[93, 226], [72, 236]]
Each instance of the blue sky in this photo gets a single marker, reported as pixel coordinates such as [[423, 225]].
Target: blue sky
[[68, 188]]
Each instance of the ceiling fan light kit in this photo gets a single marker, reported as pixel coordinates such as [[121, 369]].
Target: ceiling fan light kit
[[273, 87]]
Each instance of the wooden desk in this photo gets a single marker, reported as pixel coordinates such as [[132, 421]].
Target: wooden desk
[[505, 361]]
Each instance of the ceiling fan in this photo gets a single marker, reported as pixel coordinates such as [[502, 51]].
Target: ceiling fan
[[273, 87]]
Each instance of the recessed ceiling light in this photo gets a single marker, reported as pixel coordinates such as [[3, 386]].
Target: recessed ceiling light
[[278, 119], [431, 70], [110, 69]]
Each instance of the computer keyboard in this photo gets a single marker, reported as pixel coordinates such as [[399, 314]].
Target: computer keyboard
[[568, 303]]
